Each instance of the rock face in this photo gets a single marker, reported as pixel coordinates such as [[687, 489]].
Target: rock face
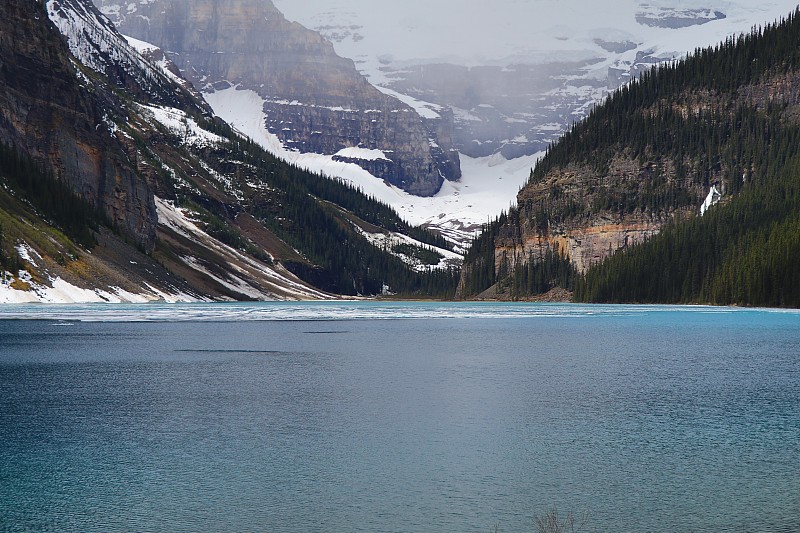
[[676, 17], [314, 100], [47, 114], [585, 245], [580, 212]]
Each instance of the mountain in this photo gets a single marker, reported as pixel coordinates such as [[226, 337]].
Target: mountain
[[516, 73], [496, 81], [119, 184], [46, 113], [682, 187], [314, 100]]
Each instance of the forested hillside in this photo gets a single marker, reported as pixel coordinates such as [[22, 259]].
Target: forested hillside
[[117, 183], [727, 116]]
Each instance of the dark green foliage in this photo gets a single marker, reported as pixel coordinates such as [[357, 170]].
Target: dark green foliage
[[353, 265], [9, 258], [224, 232], [518, 280], [423, 255], [369, 209], [746, 252], [3, 253], [53, 198], [541, 274], [479, 270]]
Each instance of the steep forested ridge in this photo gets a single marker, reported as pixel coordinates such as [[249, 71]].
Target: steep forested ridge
[[118, 179], [727, 116], [297, 208]]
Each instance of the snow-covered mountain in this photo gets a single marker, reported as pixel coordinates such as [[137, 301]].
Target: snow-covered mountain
[[117, 183], [512, 75], [517, 72], [315, 100]]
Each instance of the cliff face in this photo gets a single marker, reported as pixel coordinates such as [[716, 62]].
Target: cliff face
[[584, 244], [587, 214], [314, 100], [46, 113]]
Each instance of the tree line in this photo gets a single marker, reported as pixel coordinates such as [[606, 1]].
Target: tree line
[[297, 206], [745, 252]]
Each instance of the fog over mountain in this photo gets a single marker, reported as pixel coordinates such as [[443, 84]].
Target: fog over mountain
[[507, 31], [516, 72]]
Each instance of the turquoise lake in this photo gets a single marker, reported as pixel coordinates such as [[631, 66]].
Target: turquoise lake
[[398, 417]]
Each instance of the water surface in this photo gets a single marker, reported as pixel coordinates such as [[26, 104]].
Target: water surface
[[363, 416]]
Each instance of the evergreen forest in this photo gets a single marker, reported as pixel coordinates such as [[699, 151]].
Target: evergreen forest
[[26, 179], [714, 118]]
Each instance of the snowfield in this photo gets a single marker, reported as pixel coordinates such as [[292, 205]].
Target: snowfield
[[488, 185], [62, 292], [365, 154]]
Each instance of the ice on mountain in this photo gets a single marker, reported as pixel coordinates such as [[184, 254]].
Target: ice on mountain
[[713, 198]]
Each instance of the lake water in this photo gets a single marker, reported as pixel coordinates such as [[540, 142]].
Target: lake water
[[337, 417]]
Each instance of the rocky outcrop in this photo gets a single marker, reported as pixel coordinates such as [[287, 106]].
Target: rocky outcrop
[[584, 244], [588, 215], [314, 100], [47, 113]]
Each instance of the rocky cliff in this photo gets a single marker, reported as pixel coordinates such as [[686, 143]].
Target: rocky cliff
[[118, 184], [314, 100], [587, 214], [45, 113]]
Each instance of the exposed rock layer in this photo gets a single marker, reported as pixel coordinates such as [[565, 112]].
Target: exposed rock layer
[[577, 212], [45, 113], [315, 101]]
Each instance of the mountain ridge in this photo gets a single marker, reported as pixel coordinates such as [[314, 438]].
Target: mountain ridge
[[314, 100], [224, 220], [723, 120]]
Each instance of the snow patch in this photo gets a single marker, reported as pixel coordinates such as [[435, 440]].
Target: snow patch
[[364, 154], [26, 253], [713, 198], [182, 125], [423, 109], [140, 46]]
